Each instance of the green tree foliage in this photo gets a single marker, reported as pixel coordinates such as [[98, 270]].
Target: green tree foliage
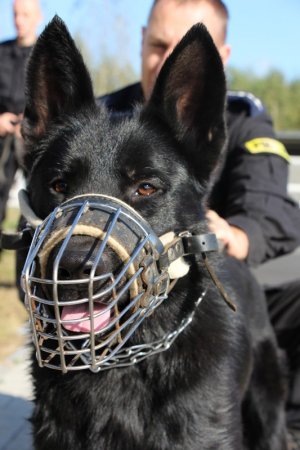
[[106, 54], [109, 72], [282, 98], [110, 75]]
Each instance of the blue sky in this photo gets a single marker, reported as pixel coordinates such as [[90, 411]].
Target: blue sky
[[264, 34]]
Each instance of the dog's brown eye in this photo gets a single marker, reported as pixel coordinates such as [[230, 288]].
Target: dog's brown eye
[[145, 189], [59, 186]]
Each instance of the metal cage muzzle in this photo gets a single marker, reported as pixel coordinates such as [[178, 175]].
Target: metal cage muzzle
[[90, 279]]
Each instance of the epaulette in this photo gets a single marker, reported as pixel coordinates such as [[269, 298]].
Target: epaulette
[[238, 101]]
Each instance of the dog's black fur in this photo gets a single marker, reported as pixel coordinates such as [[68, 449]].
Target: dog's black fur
[[220, 385]]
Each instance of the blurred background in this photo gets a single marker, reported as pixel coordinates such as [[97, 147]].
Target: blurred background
[[264, 36]]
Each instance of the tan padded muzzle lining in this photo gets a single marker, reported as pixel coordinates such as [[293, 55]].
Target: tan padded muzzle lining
[[87, 230]]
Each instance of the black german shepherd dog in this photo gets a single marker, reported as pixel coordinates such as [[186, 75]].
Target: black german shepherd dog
[[220, 385]]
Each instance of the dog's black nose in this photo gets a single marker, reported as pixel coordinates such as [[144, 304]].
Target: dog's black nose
[[82, 259], [77, 265], [76, 261]]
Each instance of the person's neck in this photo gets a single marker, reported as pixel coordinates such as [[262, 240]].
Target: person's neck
[[27, 41]]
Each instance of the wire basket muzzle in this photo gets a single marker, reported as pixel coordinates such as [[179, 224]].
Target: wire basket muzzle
[[90, 279]]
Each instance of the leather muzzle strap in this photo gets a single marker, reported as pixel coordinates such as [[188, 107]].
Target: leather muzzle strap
[[187, 244]]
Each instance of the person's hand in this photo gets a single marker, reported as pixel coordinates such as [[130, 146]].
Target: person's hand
[[234, 239], [8, 123], [18, 127]]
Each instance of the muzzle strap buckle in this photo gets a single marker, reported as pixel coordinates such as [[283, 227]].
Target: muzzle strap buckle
[[201, 244], [187, 244]]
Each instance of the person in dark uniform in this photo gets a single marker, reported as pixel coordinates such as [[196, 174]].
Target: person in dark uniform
[[13, 57], [250, 210]]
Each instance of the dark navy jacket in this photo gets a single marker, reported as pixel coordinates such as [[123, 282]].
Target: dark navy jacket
[[251, 189], [13, 60]]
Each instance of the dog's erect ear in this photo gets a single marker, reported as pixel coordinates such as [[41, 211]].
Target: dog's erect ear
[[189, 95], [57, 81]]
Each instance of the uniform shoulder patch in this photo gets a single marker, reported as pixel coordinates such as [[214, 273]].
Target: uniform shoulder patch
[[267, 145]]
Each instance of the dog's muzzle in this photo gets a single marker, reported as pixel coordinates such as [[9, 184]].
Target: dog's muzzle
[[91, 277], [94, 272]]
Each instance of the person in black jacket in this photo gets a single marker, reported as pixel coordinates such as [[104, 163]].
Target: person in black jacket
[[13, 57], [249, 208]]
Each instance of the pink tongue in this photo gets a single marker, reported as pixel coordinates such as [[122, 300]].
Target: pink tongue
[[82, 312]]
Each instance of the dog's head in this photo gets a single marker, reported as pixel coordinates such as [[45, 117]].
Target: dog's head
[[137, 178]]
